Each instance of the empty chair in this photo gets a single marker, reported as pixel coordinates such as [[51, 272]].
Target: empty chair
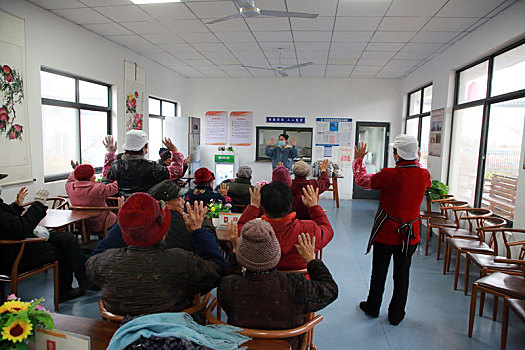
[[516, 305], [450, 219]]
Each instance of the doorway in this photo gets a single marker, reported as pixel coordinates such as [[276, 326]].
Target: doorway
[[376, 135]]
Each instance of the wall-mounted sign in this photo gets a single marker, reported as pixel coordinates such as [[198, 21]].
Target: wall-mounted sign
[[437, 118], [290, 120], [216, 127], [241, 128]]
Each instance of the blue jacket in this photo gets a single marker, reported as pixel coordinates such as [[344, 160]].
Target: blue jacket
[[282, 154]]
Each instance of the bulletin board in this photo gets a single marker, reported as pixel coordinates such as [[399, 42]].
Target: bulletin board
[[331, 132], [437, 117]]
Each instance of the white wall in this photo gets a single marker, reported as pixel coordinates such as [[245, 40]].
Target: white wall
[[56, 43], [361, 100], [507, 27]]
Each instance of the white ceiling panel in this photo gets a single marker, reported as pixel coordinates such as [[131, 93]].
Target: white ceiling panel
[[273, 36], [357, 23], [468, 8], [198, 37], [426, 47], [93, 3], [426, 8], [384, 46], [312, 46], [235, 37], [267, 24], [322, 8], [412, 54], [274, 46], [404, 63], [244, 74], [362, 75], [381, 55], [449, 24], [352, 37], [170, 11], [163, 38], [347, 47], [243, 46], [271, 5], [82, 16], [222, 60], [216, 9], [343, 61], [215, 55], [177, 47], [320, 23], [324, 36], [149, 27], [234, 25], [402, 23], [108, 29], [189, 55], [196, 63], [336, 54], [393, 37], [58, 4], [367, 68], [185, 25], [365, 8], [134, 42], [124, 13], [434, 37], [204, 47], [284, 62]]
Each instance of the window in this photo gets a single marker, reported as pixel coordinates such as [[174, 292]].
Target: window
[[159, 109], [418, 119], [76, 116], [304, 141], [487, 131]]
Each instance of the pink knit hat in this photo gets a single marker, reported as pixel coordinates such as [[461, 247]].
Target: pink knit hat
[[282, 174], [258, 249]]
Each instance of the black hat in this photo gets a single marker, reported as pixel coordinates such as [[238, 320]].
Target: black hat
[[166, 190], [3, 176], [162, 150]]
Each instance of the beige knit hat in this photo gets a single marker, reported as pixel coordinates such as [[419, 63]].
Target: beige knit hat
[[258, 249], [301, 169]]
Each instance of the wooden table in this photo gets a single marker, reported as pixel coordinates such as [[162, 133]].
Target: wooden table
[[57, 219], [100, 332]]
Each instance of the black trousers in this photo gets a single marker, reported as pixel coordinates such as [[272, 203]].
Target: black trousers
[[63, 247], [380, 262]]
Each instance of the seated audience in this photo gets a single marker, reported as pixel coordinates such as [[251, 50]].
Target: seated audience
[[262, 297], [239, 189], [301, 170], [203, 190], [274, 203], [134, 173], [145, 277], [165, 160], [84, 191], [15, 224], [282, 174]]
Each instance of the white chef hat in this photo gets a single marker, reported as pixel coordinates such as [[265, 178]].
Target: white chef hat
[[406, 146], [135, 140]]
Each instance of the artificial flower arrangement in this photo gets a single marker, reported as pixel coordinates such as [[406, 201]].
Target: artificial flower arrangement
[[214, 208], [18, 320]]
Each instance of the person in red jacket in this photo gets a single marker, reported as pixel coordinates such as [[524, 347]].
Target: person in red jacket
[[274, 203], [301, 170], [396, 228]]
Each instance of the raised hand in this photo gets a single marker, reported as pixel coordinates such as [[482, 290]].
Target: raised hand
[[310, 196], [360, 152], [20, 196], [41, 196], [223, 189], [194, 216], [233, 234], [280, 164], [169, 145], [74, 164], [324, 165], [121, 201], [294, 141], [255, 196], [306, 247], [187, 160], [270, 142], [111, 146]]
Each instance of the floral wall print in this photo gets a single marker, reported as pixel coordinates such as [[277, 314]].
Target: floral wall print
[[136, 119], [136, 99], [11, 87]]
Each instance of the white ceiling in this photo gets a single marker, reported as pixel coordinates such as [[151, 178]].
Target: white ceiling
[[350, 38]]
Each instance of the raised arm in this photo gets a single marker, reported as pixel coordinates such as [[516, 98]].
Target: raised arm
[[176, 168], [323, 231], [361, 177], [111, 147]]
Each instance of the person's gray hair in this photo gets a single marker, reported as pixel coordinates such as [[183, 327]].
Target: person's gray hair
[[244, 172]]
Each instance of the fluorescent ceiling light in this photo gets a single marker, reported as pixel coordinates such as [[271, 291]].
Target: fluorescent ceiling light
[[142, 2]]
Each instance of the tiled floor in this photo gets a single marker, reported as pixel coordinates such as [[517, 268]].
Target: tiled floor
[[437, 316]]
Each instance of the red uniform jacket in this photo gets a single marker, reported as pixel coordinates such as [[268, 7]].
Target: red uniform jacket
[[298, 184], [288, 228], [402, 191]]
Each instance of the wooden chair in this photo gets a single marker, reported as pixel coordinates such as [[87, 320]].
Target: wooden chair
[[15, 277], [447, 207], [486, 263], [200, 304], [462, 245], [334, 188], [428, 213], [101, 234], [52, 203], [498, 284], [516, 305], [306, 329]]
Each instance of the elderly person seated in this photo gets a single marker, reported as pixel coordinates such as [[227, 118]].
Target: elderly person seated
[[282, 174], [203, 191], [84, 191], [239, 188], [262, 297], [15, 224], [274, 203], [301, 170], [145, 277]]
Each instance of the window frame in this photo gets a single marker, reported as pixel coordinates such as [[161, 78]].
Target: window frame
[[486, 102], [419, 115], [283, 130], [78, 107], [161, 116]]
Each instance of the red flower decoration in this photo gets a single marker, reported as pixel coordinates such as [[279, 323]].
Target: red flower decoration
[[4, 117], [17, 127], [6, 69], [9, 77], [12, 135], [136, 94]]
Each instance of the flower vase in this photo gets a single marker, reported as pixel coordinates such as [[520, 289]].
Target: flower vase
[[215, 222]]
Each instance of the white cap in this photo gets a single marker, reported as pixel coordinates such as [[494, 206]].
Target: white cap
[[135, 140], [406, 146]]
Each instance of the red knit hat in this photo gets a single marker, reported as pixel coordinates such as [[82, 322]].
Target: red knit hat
[[84, 172], [142, 220], [202, 176], [282, 174]]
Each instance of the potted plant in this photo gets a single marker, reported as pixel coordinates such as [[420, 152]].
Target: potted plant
[[437, 189], [18, 320], [215, 208]]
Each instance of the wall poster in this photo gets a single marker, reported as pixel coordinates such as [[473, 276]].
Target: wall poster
[[437, 118], [134, 88], [331, 133], [216, 127], [15, 156], [241, 133]]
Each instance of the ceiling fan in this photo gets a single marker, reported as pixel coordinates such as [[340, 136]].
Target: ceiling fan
[[280, 69], [247, 9]]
